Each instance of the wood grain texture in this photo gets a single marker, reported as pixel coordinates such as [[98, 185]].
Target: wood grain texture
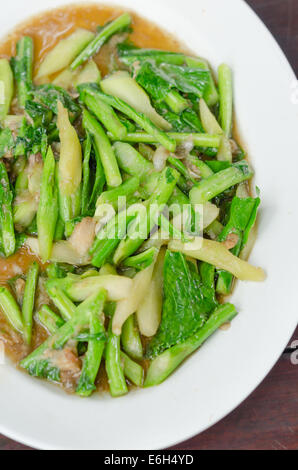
[[281, 18], [268, 419]]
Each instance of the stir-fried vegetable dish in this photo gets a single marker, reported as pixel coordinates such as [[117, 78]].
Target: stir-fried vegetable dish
[[130, 195]]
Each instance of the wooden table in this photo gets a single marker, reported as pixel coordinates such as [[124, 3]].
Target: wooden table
[[268, 419]]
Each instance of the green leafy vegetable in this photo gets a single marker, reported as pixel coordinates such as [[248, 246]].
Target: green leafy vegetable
[[50, 95], [187, 304], [243, 213]]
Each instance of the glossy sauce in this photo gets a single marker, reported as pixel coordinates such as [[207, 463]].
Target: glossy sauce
[[46, 30]]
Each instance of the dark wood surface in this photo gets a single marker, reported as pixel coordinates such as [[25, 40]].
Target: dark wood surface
[[268, 419]]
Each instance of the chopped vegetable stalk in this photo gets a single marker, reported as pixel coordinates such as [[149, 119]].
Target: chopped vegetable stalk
[[176, 102], [24, 211], [141, 119], [62, 302], [150, 309], [94, 352], [114, 368], [146, 151], [225, 85], [224, 151], [107, 269], [210, 214], [130, 304], [166, 184], [123, 86], [100, 178], [105, 150], [218, 255], [41, 363], [89, 74], [22, 65], [199, 140], [50, 320], [86, 186], [66, 79], [208, 119], [11, 310], [131, 161], [108, 30], [106, 115], [6, 88], [79, 289], [214, 230], [47, 213], [62, 252], [64, 52], [132, 371], [130, 339], [70, 166], [126, 189], [215, 184], [162, 366], [142, 260], [6, 214], [28, 300], [109, 238], [129, 55], [243, 213], [176, 163]]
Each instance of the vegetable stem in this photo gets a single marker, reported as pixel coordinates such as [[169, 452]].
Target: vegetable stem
[[11, 310], [141, 119], [62, 302], [50, 320], [103, 36], [215, 184], [95, 349], [161, 367], [105, 150], [7, 88], [225, 85], [199, 140], [28, 300], [47, 214], [6, 214], [218, 255], [106, 115], [130, 339], [23, 65], [114, 367]]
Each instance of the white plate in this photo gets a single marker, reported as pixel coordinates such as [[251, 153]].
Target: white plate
[[228, 368]]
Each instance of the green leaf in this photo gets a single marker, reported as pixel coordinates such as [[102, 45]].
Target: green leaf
[[40, 114], [242, 217], [243, 213], [151, 79], [186, 79], [128, 54], [159, 80], [43, 369], [187, 304], [49, 95]]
